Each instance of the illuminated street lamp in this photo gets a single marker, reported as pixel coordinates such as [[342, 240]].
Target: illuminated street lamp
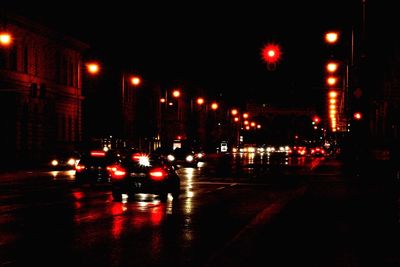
[[5, 39], [135, 80], [332, 67], [331, 80], [214, 106], [331, 37], [200, 101], [93, 68], [176, 93]]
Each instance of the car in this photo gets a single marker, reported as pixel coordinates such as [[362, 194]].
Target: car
[[65, 160], [298, 151], [142, 173], [92, 167], [317, 151], [181, 156]]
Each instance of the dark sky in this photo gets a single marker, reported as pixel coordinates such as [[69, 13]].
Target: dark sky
[[209, 45]]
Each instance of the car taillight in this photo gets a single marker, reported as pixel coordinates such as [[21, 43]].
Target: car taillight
[[157, 174], [79, 167], [117, 172], [97, 153]]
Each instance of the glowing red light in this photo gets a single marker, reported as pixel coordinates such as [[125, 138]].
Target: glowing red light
[[97, 154], [271, 53], [157, 174]]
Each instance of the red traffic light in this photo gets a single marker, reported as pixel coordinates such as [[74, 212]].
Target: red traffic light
[[271, 53], [316, 119]]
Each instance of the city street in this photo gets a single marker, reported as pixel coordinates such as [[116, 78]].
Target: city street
[[312, 215]]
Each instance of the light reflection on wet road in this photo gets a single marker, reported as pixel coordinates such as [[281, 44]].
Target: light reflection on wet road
[[52, 221]]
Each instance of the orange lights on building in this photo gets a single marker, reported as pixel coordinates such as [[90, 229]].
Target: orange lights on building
[[234, 112], [214, 106]]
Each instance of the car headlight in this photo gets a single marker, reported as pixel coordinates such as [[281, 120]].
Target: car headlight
[[71, 162], [189, 158], [170, 157]]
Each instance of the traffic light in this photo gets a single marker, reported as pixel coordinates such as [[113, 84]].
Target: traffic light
[[271, 54], [316, 119]]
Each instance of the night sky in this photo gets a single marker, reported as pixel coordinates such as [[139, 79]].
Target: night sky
[[206, 45]]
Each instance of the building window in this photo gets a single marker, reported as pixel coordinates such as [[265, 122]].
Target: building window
[[2, 59], [64, 71], [14, 58], [36, 62], [71, 74], [34, 90], [71, 130], [26, 60], [43, 90]]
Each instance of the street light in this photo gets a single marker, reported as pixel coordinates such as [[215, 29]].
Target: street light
[[5, 39], [332, 37], [93, 68]]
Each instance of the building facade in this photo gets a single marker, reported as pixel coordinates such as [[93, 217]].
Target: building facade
[[40, 90]]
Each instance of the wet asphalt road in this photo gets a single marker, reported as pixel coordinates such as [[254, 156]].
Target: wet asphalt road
[[231, 212]]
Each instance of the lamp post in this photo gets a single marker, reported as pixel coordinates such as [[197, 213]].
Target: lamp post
[[5, 39], [345, 64]]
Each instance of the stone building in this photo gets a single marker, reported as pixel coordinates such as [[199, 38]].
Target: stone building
[[40, 90]]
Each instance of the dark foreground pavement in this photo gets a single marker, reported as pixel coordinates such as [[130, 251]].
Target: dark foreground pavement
[[343, 219]]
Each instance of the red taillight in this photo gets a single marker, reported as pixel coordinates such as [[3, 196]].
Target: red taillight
[[116, 171], [157, 174], [79, 168], [97, 153]]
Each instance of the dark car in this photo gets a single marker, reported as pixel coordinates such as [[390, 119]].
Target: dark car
[[92, 167], [183, 157], [140, 173], [317, 151], [65, 160]]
